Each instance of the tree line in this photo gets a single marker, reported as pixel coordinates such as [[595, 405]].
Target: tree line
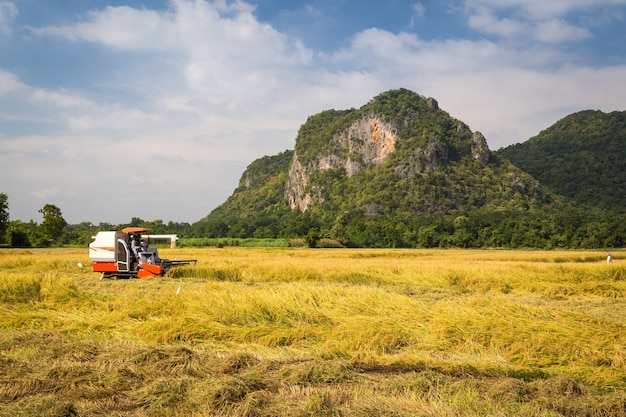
[[20, 234], [54, 230], [566, 228]]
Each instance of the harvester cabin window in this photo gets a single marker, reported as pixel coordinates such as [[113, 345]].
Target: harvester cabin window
[[123, 256]]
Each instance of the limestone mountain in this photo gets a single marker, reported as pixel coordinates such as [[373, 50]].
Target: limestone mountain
[[395, 172], [400, 150], [582, 156]]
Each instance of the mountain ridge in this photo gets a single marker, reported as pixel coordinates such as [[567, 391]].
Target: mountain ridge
[[398, 171], [581, 156]]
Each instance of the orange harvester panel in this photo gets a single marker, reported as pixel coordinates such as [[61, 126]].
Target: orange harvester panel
[[104, 266], [149, 270]]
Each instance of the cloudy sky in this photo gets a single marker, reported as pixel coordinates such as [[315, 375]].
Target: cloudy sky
[[113, 109]]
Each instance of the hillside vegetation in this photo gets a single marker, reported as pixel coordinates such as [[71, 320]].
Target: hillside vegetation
[[401, 172], [582, 156], [301, 332]]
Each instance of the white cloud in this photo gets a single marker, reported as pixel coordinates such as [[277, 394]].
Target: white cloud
[[213, 89], [9, 82], [542, 9], [547, 31], [383, 52], [8, 11], [216, 49], [558, 30], [505, 93], [45, 193], [485, 21], [60, 98], [110, 118], [418, 9], [528, 101], [119, 27], [538, 20]]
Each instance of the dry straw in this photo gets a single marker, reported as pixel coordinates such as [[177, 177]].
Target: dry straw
[[300, 332]]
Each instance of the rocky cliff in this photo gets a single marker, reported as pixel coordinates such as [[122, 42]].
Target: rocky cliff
[[370, 140], [390, 167], [366, 142]]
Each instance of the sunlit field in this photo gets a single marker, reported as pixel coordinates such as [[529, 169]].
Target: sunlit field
[[316, 332]]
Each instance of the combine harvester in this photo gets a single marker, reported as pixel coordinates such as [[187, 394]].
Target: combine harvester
[[126, 255]]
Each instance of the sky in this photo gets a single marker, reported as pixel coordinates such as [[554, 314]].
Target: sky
[[114, 109]]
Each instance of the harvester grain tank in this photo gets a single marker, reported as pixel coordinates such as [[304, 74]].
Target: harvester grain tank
[[126, 254]]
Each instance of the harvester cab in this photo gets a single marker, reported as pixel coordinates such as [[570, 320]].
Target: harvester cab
[[127, 254]]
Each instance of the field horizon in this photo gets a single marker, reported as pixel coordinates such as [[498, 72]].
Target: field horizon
[[316, 332]]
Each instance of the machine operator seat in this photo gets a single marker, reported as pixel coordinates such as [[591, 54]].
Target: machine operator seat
[[152, 254]]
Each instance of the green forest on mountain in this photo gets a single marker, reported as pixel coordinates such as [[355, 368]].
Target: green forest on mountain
[[563, 188], [263, 213], [573, 199], [581, 156]]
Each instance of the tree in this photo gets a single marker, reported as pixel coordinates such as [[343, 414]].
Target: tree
[[312, 238], [53, 224], [21, 235], [4, 216]]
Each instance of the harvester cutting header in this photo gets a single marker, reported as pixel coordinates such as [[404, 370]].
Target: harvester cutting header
[[127, 254]]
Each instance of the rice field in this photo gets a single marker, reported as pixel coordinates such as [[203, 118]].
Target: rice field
[[316, 332]]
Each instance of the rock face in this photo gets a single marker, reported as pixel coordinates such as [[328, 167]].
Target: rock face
[[376, 176], [368, 141], [480, 150], [371, 139]]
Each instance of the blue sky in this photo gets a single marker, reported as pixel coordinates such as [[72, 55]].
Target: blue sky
[[153, 109]]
